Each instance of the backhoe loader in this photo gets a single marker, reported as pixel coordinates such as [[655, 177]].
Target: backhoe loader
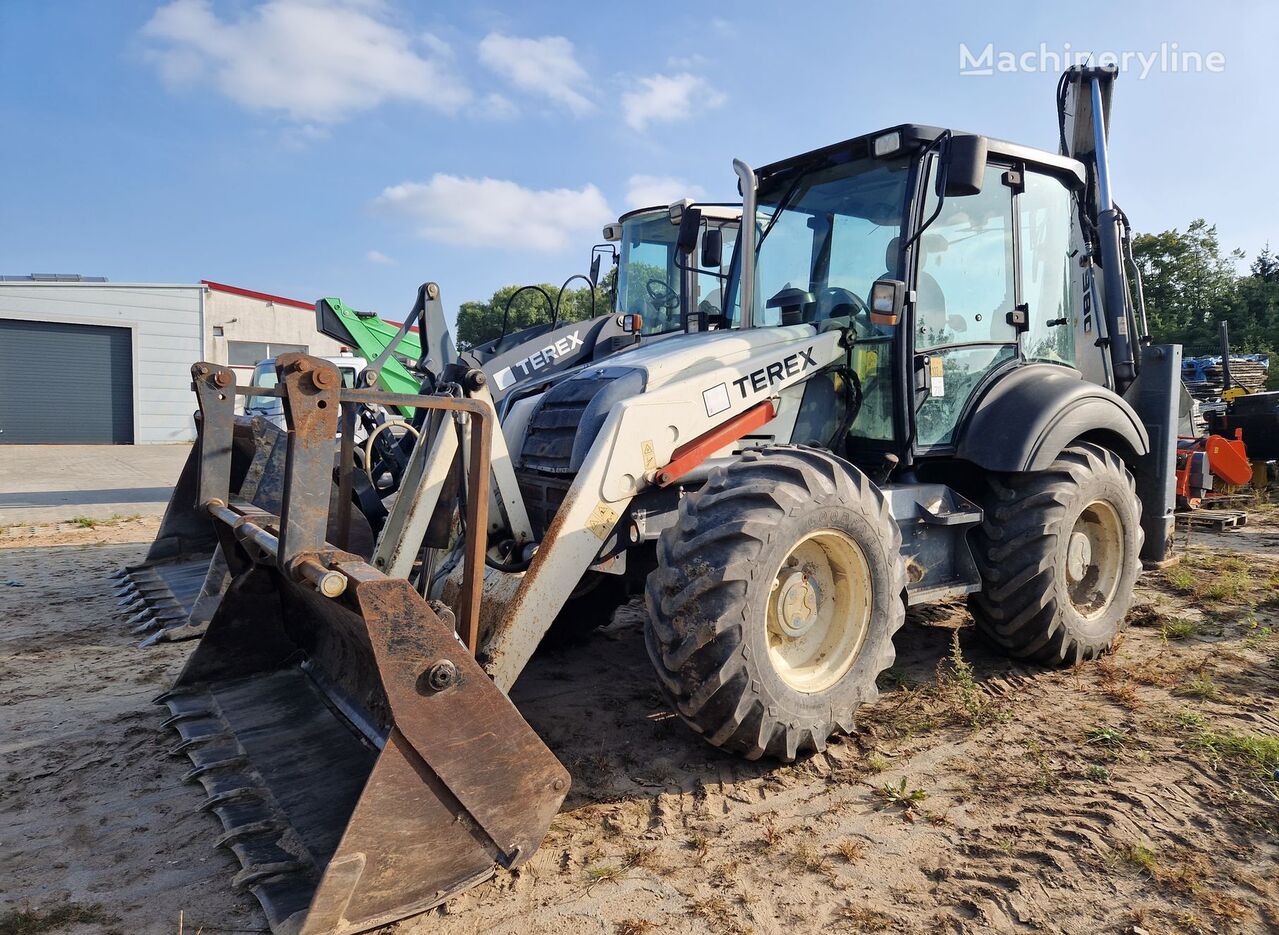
[[927, 380], [171, 594]]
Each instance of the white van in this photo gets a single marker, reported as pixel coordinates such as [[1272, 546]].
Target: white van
[[270, 407]]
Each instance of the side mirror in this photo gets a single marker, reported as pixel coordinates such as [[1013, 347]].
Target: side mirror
[[713, 248], [595, 270], [964, 165], [690, 225], [887, 297]]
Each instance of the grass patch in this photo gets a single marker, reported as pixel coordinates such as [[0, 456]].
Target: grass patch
[[1140, 857], [1201, 686], [865, 919], [851, 851], [56, 919], [877, 762], [1097, 773], [1224, 577], [634, 927], [900, 794], [1257, 634], [1249, 750], [601, 872], [1112, 737], [1046, 779], [953, 699], [1179, 628], [85, 522]]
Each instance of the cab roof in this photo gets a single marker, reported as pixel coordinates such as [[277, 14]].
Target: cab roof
[[915, 136], [717, 211]]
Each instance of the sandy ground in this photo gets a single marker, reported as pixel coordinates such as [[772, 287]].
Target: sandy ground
[[977, 795]]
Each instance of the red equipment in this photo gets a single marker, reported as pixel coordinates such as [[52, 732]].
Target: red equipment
[[1202, 458]]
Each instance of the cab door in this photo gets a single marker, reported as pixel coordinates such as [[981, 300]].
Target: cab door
[[967, 297]]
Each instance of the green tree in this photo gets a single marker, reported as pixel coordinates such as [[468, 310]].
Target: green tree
[[1256, 314], [480, 322], [1189, 285]]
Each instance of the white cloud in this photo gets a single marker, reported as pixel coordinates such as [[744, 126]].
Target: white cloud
[[545, 66], [496, 107], [436, 44], [378, 257], [317, 61], [663, 98], [496, 212], [647, 191]]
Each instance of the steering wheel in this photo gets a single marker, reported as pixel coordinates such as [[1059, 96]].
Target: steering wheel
[[832, 297], [661, 293]]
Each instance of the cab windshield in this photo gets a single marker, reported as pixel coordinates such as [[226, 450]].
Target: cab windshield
[[826, 233], [649, 274], [647, 277]]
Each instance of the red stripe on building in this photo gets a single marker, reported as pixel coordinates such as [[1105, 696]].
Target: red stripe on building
[[262, 296]]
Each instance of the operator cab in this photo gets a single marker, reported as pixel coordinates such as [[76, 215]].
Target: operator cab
[[948, 258], [655, 280]]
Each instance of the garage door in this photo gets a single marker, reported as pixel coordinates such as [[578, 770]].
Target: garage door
[[65, 384]]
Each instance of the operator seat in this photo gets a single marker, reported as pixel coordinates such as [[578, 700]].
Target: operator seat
[[928, 292]]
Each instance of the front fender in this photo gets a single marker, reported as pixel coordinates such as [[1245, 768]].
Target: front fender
[[1028, 417]]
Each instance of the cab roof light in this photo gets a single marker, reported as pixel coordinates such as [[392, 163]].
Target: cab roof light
[[886, 144]]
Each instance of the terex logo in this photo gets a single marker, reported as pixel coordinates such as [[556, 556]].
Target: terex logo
[[778, 370], [537, 360]]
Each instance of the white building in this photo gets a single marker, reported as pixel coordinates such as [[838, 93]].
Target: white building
[[86, 361]]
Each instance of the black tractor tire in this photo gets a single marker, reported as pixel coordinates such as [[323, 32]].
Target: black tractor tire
[[1029, 606], [708, 601]]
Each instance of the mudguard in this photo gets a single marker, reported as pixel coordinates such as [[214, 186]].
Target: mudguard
[[1028, 417]]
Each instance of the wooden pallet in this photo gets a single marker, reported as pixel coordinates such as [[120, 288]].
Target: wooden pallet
[[1216, 520]]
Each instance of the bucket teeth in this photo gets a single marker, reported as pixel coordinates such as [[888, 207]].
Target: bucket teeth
[[267, 827], [256, 873], [175, 633], [200, 741], [231, 797], [232, 762], [141, 622], [175, 719]]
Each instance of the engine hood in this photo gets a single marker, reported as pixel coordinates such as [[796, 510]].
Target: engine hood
[[687, 355]]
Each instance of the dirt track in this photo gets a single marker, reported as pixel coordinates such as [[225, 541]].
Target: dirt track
[[1120, 796]]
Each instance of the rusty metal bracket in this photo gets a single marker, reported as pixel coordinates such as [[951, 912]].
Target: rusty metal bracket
[[311, 412], [215, 389]]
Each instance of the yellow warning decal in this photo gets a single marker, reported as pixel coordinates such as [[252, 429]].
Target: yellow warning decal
[[602, 520], [650, 456]]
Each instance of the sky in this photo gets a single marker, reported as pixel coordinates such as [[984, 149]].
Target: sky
[[358, 148]]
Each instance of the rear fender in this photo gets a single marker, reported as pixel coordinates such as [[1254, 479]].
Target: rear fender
[[1027, 418]]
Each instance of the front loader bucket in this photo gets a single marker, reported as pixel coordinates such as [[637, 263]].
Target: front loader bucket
[[159, 595], [363, 766], [352, 792], [172, 595]]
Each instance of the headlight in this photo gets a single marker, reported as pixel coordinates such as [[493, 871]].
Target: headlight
[[887, 144]]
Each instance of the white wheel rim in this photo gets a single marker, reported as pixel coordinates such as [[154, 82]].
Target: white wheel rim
[[1095, 558], [819, 610]]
